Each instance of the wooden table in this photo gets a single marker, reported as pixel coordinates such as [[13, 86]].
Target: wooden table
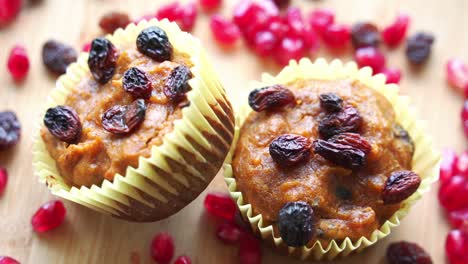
[[89, 237]]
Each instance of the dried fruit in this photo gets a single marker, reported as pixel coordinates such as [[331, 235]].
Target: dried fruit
[[448, 165], [248, 12], [343, 193], [457, 73], [462, 164], [3, 180], [183, 260], [347, 156], [321, 19], [392, 75], [288, 150], [171, 11], [331, 102], [393, 34], [63, 123], [336, 36], [137, 83], [102, 60], [123, 119], [365, 35], [49, 216], [8, 260], [458, 218], [454, 194], [228, 233], [18, 63], [464, 117], [224, 31], [265, 43], [188, 17], [162, 248], [370, 57], [399, 186], [86, 47], [282, 3], [418, 47], [154, 43], [250, 251], [210, 5], [10, 129], [57, 56], [353, 140], [296, 223], [220, 205], [407, 253], [289, 48], [176, 84], [347, 120], [270, 97], [113, 21], [295, 22], [9, 9], [456, 246]]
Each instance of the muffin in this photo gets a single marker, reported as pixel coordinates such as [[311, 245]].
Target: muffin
[[138, 127], [327, 159]]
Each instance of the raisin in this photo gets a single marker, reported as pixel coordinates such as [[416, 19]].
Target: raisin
[[57, 56], [288, 149], [347, 120], [418, 47], [353, 140], [63, 123], [407, 253], [331, 102], [343, 193], [122, 119], [102, 60], [296, 223], [10, 129], [154, 43], [270, 97], [401, 134], [342, 155], [137, 83], [365, 35], [113, 21], [176, 84], [399, 186]]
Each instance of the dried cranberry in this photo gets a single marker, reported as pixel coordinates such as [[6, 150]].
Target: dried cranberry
[[454, 194], [311, 41], [393, 34], [224, 31], [49, 216], [399, 186], [295, 22], [448, 165], [458, 218], [336, 36], [392, 75], [456, 246], [296, 223], [405, 252], [3, 180], [331, 102], [183, 260], [171, 11], [228, 233], [265, 43], [270, 97], [210, 5], [370, 57], [18, 63], [188, 17], [220, 205], [154, 43], [288, 150], [250, 251], [8, 260], [418, 47], [289, 48], [9, 9], [162, 248], [63, 123], [248, 12], [137, 83], [462, 164], [176, 84], [464, 117], [57, 56], [321, 19], [457, 73], [347, 120], [365, 35], [113, 21], [10, 129], [277, 26], [123, 119], [102, 60]]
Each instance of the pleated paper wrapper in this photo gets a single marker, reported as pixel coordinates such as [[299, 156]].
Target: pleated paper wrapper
[[178, 170], [425, 160]]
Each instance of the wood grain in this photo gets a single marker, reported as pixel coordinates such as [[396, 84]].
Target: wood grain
[[88, 237]]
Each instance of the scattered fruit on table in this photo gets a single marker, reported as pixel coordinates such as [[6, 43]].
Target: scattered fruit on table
[[183, 260], [8, 260], [3, 180], [407, 253], [456, 246], [49, 216], [210, 5], [9, 9], [18, 63], [113, 21], [56, 56], [10, 130], [457, 74], [162, 248], [418, 47], [223, 30], [371, 57], [393, 34], [220, 205]]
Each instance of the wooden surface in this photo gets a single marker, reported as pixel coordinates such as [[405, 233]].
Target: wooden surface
[[88, 237]]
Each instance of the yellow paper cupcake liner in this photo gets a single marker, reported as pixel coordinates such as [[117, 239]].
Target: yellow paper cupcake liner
[[425, 159], [178, 170]]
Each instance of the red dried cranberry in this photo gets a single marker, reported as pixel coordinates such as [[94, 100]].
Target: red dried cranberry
[[171, 11], [3, 180], [86, 47], [188, 17], [137, 83], [113, 21], [454, 193], [371, 57], [462, 164], [288, 150], [351, 156], [18, 63], [392, 75], [57, 56], [331, 102], [296, 223], [295, 22], [405, 252], [347, 120], [265, 43], [457, 73], [289, 49], [399, 186], [365, 35], [224, 31], [456, 247], [248, 12], [210, 5], [228, 233], [464, 117], [63, 123], [8, 260], [220, 205], [176, 84], [270, 97], [277, 26], [10, 129], [154, 43], [448, 165], [393, 34], [9, 9], [183, 260], [418, 47], [162, 248], [311, 40], [102, 60], [336, 36], [321, 19], [250, 251], [458, 218], [49, 216], [123, 119]]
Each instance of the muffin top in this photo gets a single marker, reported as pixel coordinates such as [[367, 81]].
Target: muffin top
[[124, 107], [322, 160]]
